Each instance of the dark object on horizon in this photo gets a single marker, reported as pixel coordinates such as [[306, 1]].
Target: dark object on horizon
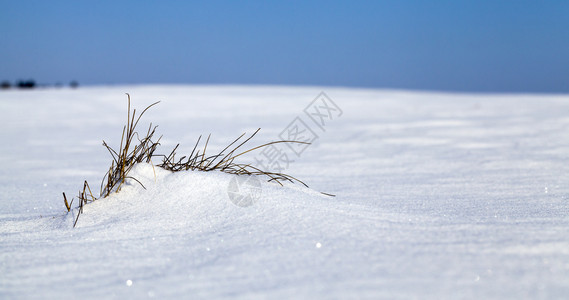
[[74, 84], [5, 85], [26, 84]]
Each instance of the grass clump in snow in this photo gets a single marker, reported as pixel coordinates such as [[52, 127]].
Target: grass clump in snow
[[134, 149]]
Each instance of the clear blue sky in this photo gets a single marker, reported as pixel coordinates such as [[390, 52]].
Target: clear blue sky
[[480, 46]]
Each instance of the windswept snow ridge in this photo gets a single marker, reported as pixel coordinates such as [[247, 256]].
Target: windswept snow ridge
[[161, 200]]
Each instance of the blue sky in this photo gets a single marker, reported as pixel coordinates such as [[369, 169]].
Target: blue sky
[[475, 46]]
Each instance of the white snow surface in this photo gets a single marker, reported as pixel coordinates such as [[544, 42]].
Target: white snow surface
[[439, 196]]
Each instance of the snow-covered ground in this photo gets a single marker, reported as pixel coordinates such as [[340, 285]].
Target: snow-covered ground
[[439, 196]]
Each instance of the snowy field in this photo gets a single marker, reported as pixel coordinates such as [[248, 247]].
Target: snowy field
[[439, 196]]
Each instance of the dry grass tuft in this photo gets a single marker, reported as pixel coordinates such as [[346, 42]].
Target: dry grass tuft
[[224, 162], [134, 149]]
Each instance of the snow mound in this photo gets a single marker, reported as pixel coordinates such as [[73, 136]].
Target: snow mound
[[156, 199]]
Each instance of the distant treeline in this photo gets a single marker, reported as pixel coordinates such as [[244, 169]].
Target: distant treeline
[[30, 84]]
